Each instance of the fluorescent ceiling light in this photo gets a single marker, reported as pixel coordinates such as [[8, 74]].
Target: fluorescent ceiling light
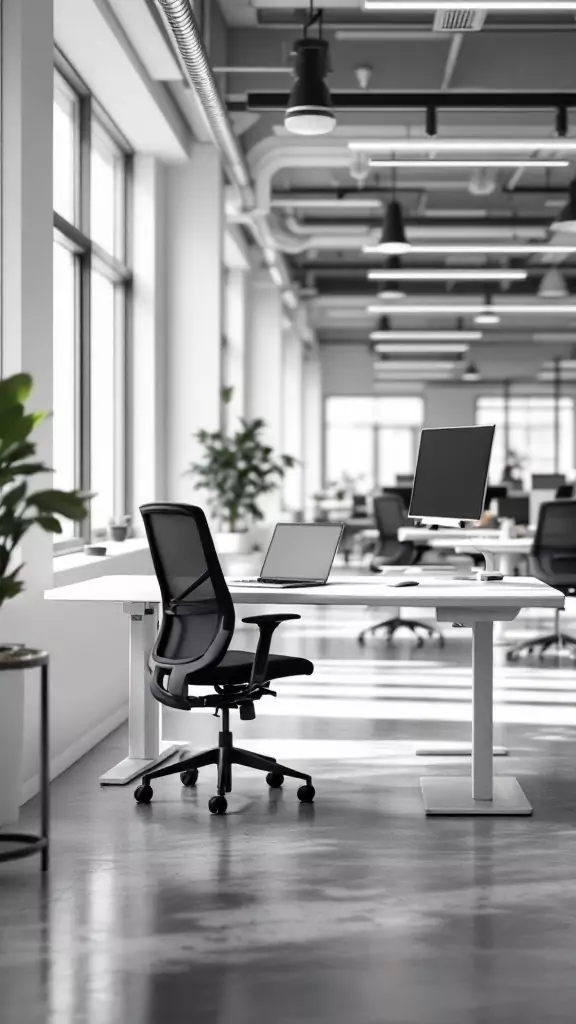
[[479, 162], [415, 365], [276, 276], [446, 274], [419, 349], [435, 145], [329, 202], [475, 308], [426, 336], [521, 6], [484, 249]]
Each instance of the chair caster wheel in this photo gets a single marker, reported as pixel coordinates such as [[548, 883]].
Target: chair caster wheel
[[274, 781], [143, 794], [306, 794], [189, 778], [218, 804]]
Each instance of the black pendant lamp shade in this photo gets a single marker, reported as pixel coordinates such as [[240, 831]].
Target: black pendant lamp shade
[[471, 372], [566, 221], [309, 110], [393, 236]]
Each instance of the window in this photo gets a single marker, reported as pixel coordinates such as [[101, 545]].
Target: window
[[369, 441], [92, 284], [530, 432]]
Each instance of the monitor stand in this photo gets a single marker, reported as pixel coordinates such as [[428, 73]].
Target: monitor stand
[[490, 574]]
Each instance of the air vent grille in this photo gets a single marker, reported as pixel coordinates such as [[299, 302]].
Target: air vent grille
[[459, 21]]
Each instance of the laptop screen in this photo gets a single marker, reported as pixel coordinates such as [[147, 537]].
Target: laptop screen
[[302, 551]]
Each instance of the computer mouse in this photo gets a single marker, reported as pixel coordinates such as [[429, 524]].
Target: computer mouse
[[405, 583]]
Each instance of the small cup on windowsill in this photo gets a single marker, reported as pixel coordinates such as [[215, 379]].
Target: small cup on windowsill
[[119, 528]]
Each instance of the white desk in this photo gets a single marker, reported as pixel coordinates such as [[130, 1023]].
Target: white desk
[[471, 603], [420, 536]]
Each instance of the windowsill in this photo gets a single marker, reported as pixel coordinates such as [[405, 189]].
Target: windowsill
[[129, 556]]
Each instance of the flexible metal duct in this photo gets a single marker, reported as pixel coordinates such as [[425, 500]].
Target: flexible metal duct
[[184, 27]]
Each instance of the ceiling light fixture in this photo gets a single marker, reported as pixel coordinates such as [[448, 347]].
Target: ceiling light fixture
[[415, 365], [476, 308], [430, 336], [553, 285], [482, 249], [394, 239], [521, 6], [390, 291], [566, 220], [470, 373], [309, 110], [430, 164], [436, 145], [415, 348], [447, 274]]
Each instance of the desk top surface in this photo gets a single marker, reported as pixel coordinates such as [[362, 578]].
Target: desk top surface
[[495, 545], [432, 592], [421, 535]]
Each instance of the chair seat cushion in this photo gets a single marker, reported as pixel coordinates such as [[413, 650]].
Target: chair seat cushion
[[236, 667]]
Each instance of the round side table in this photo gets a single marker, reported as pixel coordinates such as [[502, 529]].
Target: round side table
[[14, 658]]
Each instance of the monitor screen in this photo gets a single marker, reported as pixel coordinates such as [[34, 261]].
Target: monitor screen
[[516, 508], [302, 551], [451, 473], [547, 481]]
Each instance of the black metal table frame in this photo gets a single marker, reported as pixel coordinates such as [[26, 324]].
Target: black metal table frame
[[21, 659]]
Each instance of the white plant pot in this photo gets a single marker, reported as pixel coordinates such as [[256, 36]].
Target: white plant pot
[[233, 543], [11, 744]]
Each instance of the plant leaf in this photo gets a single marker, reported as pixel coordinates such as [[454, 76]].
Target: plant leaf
[[15, 390], [62, 503]]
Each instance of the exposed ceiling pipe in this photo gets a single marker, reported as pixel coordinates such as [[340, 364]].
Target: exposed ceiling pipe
[[182, 24]]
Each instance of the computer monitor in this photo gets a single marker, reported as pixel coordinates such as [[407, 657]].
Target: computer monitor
[[405, 480], [494, 494], [515, 507], [565, 491], [405, 493], [451, 474], [547, 481]]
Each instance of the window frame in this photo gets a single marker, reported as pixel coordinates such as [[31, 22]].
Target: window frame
[[91, 257]]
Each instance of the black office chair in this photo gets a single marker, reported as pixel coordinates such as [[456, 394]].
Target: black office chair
[[390, 515], [191, 650], [553, 560]]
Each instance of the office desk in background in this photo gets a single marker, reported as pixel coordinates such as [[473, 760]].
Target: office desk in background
[[470, 603]]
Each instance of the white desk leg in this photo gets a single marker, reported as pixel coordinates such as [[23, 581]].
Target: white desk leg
[[144, 747], [483, 794]]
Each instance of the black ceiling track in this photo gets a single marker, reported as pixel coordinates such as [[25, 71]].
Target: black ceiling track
[[356, 100]]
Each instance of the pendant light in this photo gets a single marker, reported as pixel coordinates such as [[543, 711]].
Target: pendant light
[[553, 285], [489, 316], [470, 373], [393, 239], [566, 221], [309, 110], [390, 289]]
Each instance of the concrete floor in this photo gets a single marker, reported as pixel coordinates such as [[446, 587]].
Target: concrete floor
[[355, 910]]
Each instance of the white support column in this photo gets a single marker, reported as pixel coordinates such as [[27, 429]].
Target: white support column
[[236, 330], [26, 308], [264, 371], [292, 382], [194, 297], [312, 429], [147, 407]]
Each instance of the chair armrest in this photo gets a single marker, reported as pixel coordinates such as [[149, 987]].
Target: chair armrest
[[267, 624], [258, 620]]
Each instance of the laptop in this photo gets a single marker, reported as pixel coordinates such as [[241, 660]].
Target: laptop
[[300, 555]]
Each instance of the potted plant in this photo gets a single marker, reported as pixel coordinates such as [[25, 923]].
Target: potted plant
[[21, 509], [237, 470], [119, 527]]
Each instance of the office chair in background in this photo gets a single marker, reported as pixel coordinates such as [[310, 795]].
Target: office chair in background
[[390, 515], [192, 650], [553, 560]]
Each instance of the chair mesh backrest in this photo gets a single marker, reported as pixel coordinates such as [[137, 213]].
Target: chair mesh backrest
[[198, 619], [389, 514], [556, 527]]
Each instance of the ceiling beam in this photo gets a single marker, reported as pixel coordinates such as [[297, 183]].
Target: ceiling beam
[[355, 100]]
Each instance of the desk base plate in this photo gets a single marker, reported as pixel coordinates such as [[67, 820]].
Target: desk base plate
[[455, 750], [452, 795], [133, 767]]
